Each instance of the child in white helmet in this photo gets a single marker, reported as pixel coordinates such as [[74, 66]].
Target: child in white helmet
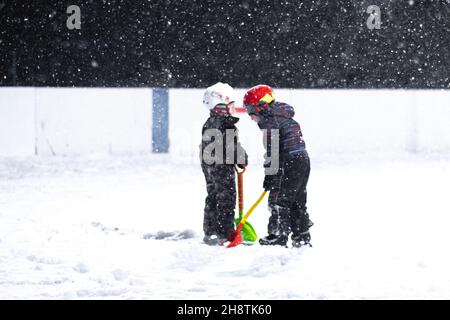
[[220, 152]]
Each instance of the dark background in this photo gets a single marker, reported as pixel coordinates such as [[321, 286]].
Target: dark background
[[291, 44]]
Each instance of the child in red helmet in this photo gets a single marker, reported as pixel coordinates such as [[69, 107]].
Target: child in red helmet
[[287, 183]]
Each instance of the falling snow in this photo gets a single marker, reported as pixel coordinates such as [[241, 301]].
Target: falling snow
[[178, 44]]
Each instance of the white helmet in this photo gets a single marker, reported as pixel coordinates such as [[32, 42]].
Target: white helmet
[[219, 97]]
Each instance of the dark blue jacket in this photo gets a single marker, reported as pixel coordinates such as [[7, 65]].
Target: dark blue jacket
[[279, 116]]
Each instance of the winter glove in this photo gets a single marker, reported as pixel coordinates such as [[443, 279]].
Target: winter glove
[[267, 185]]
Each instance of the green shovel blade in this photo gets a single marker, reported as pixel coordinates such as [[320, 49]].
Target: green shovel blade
[[248, 232]]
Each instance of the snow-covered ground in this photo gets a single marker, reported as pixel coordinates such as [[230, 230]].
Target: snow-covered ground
[[81, 228]]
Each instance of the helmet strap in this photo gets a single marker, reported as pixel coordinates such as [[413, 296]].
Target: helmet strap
[[259, 106]]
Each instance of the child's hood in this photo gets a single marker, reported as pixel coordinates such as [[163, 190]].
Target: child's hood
[[279, 109]]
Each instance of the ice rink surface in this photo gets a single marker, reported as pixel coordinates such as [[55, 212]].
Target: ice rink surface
[[131, 228]]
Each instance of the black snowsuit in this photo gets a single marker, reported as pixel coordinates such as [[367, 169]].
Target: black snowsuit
[[220, 202], [287, 198]]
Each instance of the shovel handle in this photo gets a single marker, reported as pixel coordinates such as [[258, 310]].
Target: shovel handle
[[241, 189], [253, 207], [236, 168]]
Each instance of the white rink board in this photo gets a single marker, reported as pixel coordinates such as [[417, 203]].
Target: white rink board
[[17, 122], [87, 121], [84, 121]]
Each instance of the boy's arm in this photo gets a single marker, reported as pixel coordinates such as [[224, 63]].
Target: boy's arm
[[267, 125], [270, 129], [240, 155]]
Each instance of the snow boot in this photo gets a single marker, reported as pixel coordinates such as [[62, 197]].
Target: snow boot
[[302, 239], [300, 229], [273, 240], [214, 240]]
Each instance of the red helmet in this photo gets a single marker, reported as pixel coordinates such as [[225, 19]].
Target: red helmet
[[259, 93]]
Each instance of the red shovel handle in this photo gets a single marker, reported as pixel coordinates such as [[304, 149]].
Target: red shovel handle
[[240, 175], [241, 190], [237, 169]]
